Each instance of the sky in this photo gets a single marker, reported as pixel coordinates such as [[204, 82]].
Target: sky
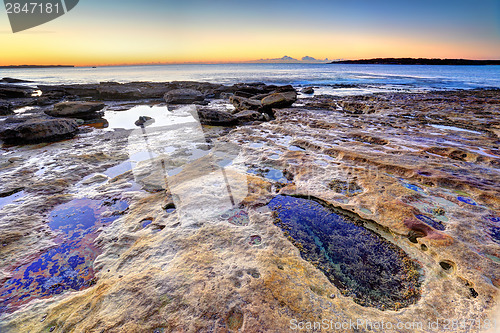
[[104, 32]]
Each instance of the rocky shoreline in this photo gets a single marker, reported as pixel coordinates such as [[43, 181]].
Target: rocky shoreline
[[187, 232], [252, 102]]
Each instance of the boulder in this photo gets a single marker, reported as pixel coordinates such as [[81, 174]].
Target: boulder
[[112, 90], [216, 117], [249, 115], [80, 110], [251, 89], [284, 89], [5, 108], [14, 91], [184, 96], [307, 90], [279, 99], [243, 103], [37, 130], [144, 121]]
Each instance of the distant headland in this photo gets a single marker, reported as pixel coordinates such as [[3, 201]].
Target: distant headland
[[35, 66], [418, 61]]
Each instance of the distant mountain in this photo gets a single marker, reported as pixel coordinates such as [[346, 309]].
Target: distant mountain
[[418, 61], [287, 59], [311, 59]]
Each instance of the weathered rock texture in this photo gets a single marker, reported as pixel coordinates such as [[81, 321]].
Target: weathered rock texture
[[422, 167], [37, 130], [80, 110]]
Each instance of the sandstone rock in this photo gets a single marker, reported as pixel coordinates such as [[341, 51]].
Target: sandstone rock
[[44, 101], [184, 96], [216, 117], [5, 108], [243, 103], [81, 110], [307, 90], [249, 115], [118, 92], [356, 107], [80, 90], [252, 89], [14, 92], [279, 100], [38, 130]]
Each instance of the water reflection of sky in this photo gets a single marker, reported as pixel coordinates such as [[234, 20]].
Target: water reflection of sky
[[161, 115]]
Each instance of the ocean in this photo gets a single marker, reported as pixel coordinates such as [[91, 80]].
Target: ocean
[[337, 79]]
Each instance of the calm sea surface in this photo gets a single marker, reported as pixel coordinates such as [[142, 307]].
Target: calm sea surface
[[329, 78]]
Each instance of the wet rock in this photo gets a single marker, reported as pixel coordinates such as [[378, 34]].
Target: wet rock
[[111, 90], [7, 193], [7, 91], [38, 130], [44, 101], [307, 90], [80, 90], [80, 110], [249, 115], [12, 80], [209, 90], [357, 107], [144, 121], [216, 117], [279, 100], [243, 103], [5, 108], [184, 96]]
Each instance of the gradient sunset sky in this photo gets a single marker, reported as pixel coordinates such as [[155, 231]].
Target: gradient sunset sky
[[100, 32]]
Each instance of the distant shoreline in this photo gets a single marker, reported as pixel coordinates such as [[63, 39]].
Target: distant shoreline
[[418, 61], [36, 66]]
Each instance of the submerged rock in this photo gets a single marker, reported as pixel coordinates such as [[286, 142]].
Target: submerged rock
[[69, 266], [80, 110], [184, 96], [361, 263], [38, 130]]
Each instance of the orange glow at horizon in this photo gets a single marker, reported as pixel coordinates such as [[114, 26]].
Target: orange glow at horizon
[[68, 42]]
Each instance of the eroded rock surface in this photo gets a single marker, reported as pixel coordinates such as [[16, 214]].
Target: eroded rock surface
[[18, 131], [80, 110], [184, 96], [199, 250]]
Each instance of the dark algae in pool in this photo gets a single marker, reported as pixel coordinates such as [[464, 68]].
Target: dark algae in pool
[[362, 264], [68, 265]]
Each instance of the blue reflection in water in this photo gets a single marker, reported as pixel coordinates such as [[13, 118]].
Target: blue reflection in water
[[68, 266]]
